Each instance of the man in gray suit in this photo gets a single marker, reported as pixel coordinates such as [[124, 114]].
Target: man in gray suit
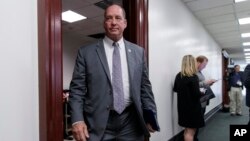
[[203, 84], [111, 98]]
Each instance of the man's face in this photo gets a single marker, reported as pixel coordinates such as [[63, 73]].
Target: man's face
[[202, 65], [114, 22], [237, 68]]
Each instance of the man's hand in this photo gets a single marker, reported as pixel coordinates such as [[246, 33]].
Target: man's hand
[[211, 82], [150, 129], [65, 97], [80, 131]]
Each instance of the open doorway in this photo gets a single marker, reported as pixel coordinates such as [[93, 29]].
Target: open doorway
[[51, 58], [77, 34]]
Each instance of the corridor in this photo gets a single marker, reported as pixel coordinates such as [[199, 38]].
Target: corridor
[[217, 127]]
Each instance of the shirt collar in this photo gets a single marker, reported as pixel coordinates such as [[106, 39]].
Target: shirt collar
[[110, 42]]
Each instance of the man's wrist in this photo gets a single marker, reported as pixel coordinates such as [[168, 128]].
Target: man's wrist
[[77, 122]]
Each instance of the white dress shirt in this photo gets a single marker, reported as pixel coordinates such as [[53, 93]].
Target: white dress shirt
[[109, 54]]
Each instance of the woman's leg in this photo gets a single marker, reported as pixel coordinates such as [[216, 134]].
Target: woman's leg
[[189, 134]]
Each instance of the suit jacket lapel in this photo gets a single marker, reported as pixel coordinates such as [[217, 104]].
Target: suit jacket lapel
[[130, 59], [102, 56]]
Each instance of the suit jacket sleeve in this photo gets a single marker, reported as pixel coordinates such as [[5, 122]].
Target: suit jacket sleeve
[[147, 98], [202, 82], [78, 88]]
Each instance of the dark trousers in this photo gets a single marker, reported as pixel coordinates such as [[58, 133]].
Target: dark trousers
[[123, 127]]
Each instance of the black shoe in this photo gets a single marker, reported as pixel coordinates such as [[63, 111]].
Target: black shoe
[[232, 114], [68, 138], [239, 114]]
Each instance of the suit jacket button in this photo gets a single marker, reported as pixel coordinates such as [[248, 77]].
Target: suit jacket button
[[108, 107]]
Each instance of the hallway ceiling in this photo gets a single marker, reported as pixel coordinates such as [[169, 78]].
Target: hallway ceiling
[[220, 18], [88, 30], [81, 29]]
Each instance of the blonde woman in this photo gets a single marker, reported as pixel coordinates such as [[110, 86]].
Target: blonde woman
[[186, 85]]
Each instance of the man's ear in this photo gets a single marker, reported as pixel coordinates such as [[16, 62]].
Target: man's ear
[[125, 23]]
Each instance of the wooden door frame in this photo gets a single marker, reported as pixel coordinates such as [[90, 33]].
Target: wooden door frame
[[50, 70], [137, 28], [50, 59], [225, 96]]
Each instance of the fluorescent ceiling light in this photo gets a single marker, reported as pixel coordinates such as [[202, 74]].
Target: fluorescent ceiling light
[[247, 49], [247, 54], [244, 35], [244, 21], [247, 57], [246, 44], [239, 1], [70, 16]]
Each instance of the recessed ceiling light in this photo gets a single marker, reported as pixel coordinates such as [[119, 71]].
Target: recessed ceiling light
[[239, 1], [246, 44], [244, 21], [244, 35], [70, 16], [247, 49]]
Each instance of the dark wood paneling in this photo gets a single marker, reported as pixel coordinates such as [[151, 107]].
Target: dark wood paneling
[[137, 16], [50, 70], [225, 87]]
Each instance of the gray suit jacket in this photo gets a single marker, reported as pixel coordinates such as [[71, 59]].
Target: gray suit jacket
[[91, 90]]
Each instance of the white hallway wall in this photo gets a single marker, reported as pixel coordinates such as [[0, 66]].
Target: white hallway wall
[[173, 33], [19, 71]]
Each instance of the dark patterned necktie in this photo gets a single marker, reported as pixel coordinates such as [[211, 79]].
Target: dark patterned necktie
[[117, 84]]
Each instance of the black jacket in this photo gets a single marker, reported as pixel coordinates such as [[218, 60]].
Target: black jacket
[[188, 101]]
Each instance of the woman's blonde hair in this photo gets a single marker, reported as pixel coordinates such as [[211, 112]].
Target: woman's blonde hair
[[189, 66]]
